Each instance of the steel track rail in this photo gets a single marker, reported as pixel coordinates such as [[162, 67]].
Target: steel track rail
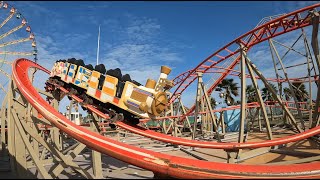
[[193, 143], [160, 163], [281, 25]]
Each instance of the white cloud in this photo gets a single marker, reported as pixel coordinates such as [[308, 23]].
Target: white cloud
[[37, 8], [153, 72], [289, 6], [142, 30], [100, 5], [260, 55], [139, 48], [138, 52]]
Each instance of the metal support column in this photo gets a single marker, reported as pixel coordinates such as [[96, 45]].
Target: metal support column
[[207, 100], [315, 47], [290, 85], [57, 136], [96, 156], [202, 120], [308, 55], [274, 94], [184, 112], [243, 94], [258, 94], [275, 69], [174, 120], [196, 111], [259, 120], [20, 146], [3, 126], [28, 146], [11, 128]]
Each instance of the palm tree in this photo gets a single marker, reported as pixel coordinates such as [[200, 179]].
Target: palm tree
[[266, 94], [230, 88], [213, 102], [251, 94], [300, 92], [287, 93]]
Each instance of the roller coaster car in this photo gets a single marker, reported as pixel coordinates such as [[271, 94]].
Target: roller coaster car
[[113, 91]]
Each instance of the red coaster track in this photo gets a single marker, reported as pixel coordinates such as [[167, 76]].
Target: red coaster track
[[177, 166], [156, 162], [276, 27]]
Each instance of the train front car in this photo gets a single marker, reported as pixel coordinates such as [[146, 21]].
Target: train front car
[[150, 100], [57, 69], [117, 95]]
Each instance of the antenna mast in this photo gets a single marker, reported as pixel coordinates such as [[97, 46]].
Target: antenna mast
[[98, 46]]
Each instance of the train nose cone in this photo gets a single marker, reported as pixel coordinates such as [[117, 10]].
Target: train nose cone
[[159, 103]]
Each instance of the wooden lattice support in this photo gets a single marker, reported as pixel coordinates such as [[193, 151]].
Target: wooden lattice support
[[290, 85], [201, 90], [309, 59], [96, 156], [315, 47], [274, 94], [30, 145], [3, 114], [186, 122], [257, 91], [242, 94]]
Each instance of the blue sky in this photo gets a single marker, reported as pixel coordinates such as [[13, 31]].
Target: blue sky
[[181, 34], [140, 36]]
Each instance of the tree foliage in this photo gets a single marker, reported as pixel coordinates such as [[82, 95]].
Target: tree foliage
[[251, 94], [300, 91], [266, 94], [230, 88]]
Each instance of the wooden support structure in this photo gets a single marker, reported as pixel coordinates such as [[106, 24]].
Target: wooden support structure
[[96, 156], [30, 145], [186, 122], [242, 94], [275, 69], [196, 111], [201, 90], [274, 94], [309, 59], [290, 85], [4, 123], [259, 97], [315, 47]]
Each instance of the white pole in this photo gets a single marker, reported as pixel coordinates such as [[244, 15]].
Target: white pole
[[98, 46]]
